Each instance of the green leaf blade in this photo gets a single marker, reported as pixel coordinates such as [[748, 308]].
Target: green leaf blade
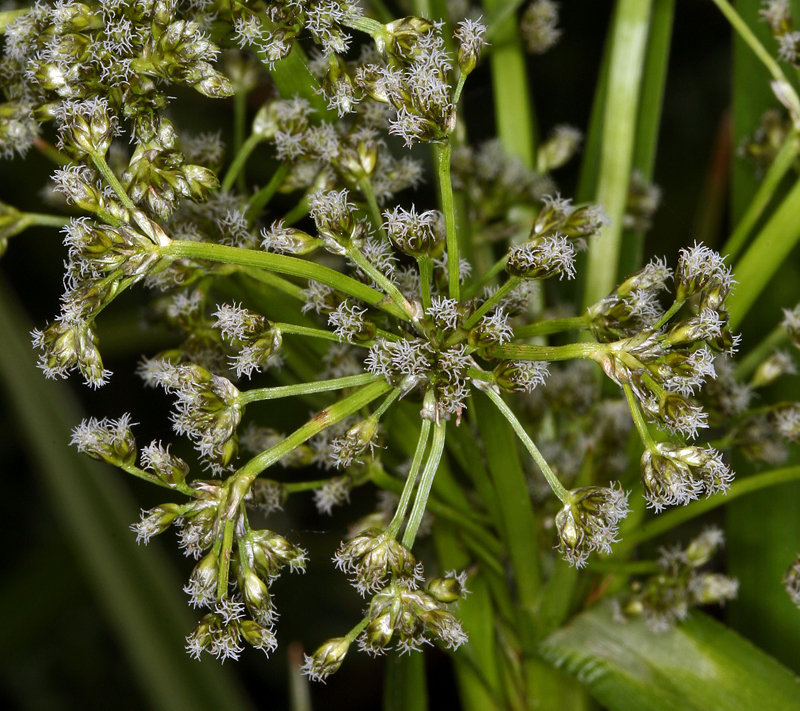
[[700, 665]]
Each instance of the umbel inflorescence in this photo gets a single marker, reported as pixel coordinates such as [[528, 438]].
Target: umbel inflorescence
[[398, 304]]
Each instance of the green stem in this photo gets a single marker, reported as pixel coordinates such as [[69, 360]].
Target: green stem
[[638, 419], [245, 477], [372, 27], [153, 479], [282, 264], [261, 199], [49, 151], [671, 311], [425, 273], [35, 218], [669, 520], [552, 479], [239, 161], [492, 301], [386, 404], [424, 490], [753, 359], [320, 386], [496, 268], [777, 170], [462, 79], [279, 283], [372, 203], [520, 351], [224, 559], [405, 497], [298, 212], [497, 18], [105, 170], [239, 124], [448, 208], [752, 41], [556, 325], [296, 330], [380, 279]]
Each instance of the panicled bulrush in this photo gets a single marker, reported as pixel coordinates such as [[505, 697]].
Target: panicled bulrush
[[373, 304]]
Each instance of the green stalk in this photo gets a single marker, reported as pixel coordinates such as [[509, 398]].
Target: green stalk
[[261, 199], [245, 477], [374, 210], [425, 483], [752, 41], [493, 271], [405, 497], [296, 330], [381, 280], [775, 174], [287, 287], [105, 170], [492, 301], [552, 479], [239, 161], [675, 517], [758, 265], [425, 273], [320, 386], [629, 43], [282, 264], [518, 351], [638, 419], [448, 208], [555, 325], [35, 218], [239, 128]]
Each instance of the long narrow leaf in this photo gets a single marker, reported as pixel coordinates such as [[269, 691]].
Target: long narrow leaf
[[630, 30], [698, 666]]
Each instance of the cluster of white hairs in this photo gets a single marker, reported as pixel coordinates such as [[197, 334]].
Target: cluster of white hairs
[[552, 255], [677, 474]]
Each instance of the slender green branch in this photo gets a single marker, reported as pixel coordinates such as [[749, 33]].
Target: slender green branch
[[261, 199], [462, 79], [49, 151], [669, 520], [786, 157], [35, 218], [424, 490], [296, 330], [298, 212], [239, 161], [493, 271], [374, 210], [555, 325], [386, 404], [153, 479], [520, 351], [670, 312], [496, 18], [380, 279], [752, 41], [638, 419], [239, 128], [425, 274], [245, 477], [224, 558], [448, 208], [105, 170], [279, 283], [405, 497], [552, 479], [282, 264], [492, 301], [372, 27], [320, 386]]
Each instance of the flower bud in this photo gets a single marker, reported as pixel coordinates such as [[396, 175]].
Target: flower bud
[[257, 598], [360, 436], [170, 469], [400, 39], [542, 258], [326, 660], [258, 636], [469, 35], [449, 589], [771, 368], [108, 440], [87, 127], [700, 550], [371, 556], [713, 588], [589, 521], [558, 149], [515, 376], [155, 521]]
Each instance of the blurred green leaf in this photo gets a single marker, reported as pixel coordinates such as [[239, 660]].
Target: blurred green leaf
[[136, 587], [700, 665], [405, 688]]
